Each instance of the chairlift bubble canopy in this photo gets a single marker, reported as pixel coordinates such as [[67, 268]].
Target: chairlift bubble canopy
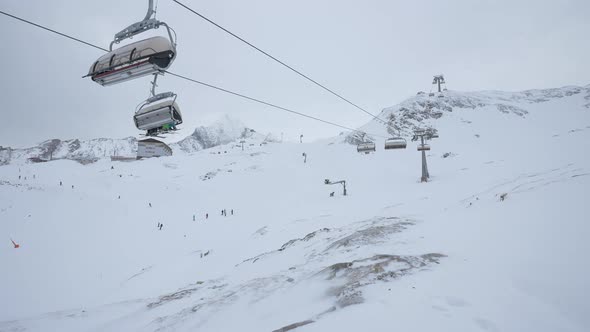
[[144, 57], [366, 147], [395, 143], [423, 147], [158, 114]]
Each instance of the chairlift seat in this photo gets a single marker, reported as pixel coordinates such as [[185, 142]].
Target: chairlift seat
[[144, 57], [158, 116], [366, 147], [423, 147], [431, 94], [419, 131], [395, 143]]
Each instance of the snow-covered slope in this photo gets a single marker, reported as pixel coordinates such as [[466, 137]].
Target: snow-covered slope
[[224, 131], [395, 254]]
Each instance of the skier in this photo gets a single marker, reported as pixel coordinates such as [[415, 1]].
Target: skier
[[232, 212], [60, 183], [206, 215], [72, 186], [150, 204], [193, 217], [161, 226]]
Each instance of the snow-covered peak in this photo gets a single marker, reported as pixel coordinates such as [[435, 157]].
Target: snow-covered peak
[[422, 110], [222, 131]]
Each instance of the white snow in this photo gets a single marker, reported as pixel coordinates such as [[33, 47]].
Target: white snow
[[395, 254]]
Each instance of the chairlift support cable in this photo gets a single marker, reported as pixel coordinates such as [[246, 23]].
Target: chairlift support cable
[[268, 104], [192, 80], [56, 32], [281, 62]]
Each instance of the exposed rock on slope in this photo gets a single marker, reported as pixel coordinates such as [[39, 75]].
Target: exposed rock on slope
[[81, 151], [422, 111]]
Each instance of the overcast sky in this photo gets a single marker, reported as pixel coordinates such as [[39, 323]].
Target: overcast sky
[[374, 52]]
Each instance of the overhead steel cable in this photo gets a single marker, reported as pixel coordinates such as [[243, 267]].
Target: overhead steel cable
[[280, 62], [56, 32], [193, 80], [267, 103]]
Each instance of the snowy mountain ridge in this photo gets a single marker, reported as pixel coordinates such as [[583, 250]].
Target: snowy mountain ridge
[[223, 131], [422, 110]]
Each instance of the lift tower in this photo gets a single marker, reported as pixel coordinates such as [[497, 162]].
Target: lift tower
[[438, 80], [420, 134]]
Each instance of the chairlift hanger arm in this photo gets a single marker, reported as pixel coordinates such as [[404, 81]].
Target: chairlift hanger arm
[[147, 23], [150, 11], [135, 28]]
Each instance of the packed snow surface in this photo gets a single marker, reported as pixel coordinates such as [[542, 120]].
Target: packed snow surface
[[497, 240]]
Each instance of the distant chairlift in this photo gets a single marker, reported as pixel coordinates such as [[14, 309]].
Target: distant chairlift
[[144, 57], [438, 82], [423, 147], [366, 147], [395, 143]]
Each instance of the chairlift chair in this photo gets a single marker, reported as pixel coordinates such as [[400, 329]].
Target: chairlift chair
[[431, 94], [423, 147], [366, 147], [145, 57], [395, 143], [158, 114], [440, 95]]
